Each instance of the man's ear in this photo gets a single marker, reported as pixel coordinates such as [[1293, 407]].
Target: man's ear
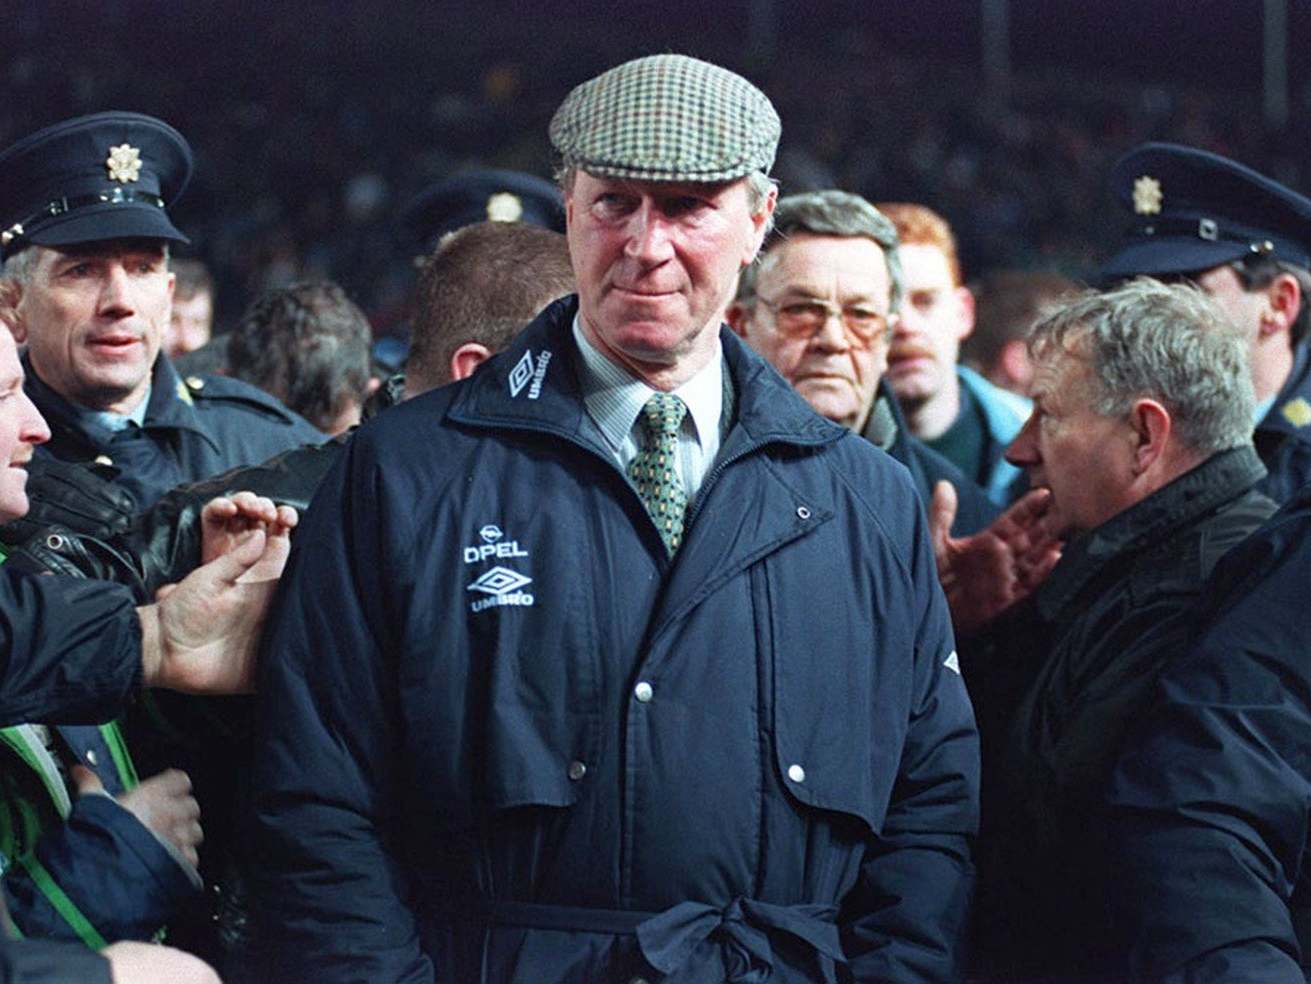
[[1284, 302], [10, 294], [1153, 426], [965, 299], [760, 225], [737, 318], [467, 358]]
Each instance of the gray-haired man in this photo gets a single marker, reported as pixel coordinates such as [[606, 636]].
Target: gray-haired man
[[615, 661], [1141, 431]]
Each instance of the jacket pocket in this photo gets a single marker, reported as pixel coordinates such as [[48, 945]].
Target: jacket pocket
[[841, 686]]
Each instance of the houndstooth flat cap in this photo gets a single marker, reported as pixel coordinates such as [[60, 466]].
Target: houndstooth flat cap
[[667, 118]]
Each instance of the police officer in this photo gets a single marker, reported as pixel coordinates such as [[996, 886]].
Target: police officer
[[85, 236], [1245, 240]]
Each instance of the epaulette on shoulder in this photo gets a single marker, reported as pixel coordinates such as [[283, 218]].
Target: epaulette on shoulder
[[219, 390]]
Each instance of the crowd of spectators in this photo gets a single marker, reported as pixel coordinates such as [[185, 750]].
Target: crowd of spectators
[[314, 125]]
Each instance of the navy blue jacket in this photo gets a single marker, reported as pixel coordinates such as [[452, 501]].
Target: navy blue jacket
[[504, 737], [192, 430], [69, 650], [1283, 437], [1211, 805]]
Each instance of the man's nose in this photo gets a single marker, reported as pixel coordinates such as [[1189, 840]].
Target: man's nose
[[116, 291], [1024, 449], [832, 335], [35, 430], [648, 235]]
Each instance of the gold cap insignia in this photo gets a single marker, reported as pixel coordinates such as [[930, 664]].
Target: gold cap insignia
[[1297, 412], [1147, 196], [124, 163], [184, 394], [504, 207]]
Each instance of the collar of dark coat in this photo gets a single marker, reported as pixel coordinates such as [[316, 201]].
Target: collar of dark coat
[[170, 408], [1220, 478], [534, 385], [1291, 411]]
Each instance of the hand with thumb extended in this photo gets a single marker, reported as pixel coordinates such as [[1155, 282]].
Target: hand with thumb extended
[[202, 634], [985, 574]]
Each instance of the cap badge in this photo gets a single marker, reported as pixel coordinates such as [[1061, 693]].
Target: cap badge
[[504, 207], [1297, 412], [10, 234], [1147, 196], [124, 163]]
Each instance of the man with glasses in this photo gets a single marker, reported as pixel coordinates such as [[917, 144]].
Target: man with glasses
[[1245, 239], [819, 305]]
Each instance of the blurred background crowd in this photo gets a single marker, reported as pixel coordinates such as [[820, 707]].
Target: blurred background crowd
[[315, 122]]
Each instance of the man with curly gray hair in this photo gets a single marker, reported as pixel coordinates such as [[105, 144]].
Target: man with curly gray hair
[[1141, 430]]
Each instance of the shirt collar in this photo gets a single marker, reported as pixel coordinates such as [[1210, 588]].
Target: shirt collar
[[614, 398], [119, 421]]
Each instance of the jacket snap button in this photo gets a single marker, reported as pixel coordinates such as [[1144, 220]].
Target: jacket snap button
[[796, 773], [54, 541], [577, 770], [643, 692], [803, 512]]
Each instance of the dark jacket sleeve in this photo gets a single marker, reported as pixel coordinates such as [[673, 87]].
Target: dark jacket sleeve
[[70, 651], [327, 891], [1209, 805], [907, 918], [43, 962], [162, 545], [101, 866]]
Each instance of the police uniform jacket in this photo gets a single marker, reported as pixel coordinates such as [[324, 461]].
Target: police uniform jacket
[[1283, 437], [504, 737], [192, 430], [1211, 804], [1086, 652]]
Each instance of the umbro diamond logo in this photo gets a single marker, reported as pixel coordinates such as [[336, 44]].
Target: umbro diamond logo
[[501, 586], [498, 581], [525, 370], [521, 373]]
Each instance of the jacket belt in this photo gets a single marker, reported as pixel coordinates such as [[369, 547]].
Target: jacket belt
[[669, 939]]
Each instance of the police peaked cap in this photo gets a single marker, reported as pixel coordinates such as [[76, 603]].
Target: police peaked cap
[[104, 176], [1194, 210], [480, 196]]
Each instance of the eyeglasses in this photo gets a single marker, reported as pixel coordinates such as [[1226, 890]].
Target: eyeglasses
[[804, 317]]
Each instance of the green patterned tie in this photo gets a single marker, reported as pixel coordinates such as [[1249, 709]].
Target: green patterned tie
[[654, 472]]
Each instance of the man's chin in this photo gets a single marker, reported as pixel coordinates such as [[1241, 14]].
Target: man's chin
[[827, 400]]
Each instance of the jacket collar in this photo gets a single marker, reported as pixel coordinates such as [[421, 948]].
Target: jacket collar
[[1291, 411], [534, 385], [1159, 517], [169, 407]]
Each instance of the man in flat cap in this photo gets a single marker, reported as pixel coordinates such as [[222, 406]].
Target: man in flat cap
[[615, 661], [1245, 240], [85, 285]]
